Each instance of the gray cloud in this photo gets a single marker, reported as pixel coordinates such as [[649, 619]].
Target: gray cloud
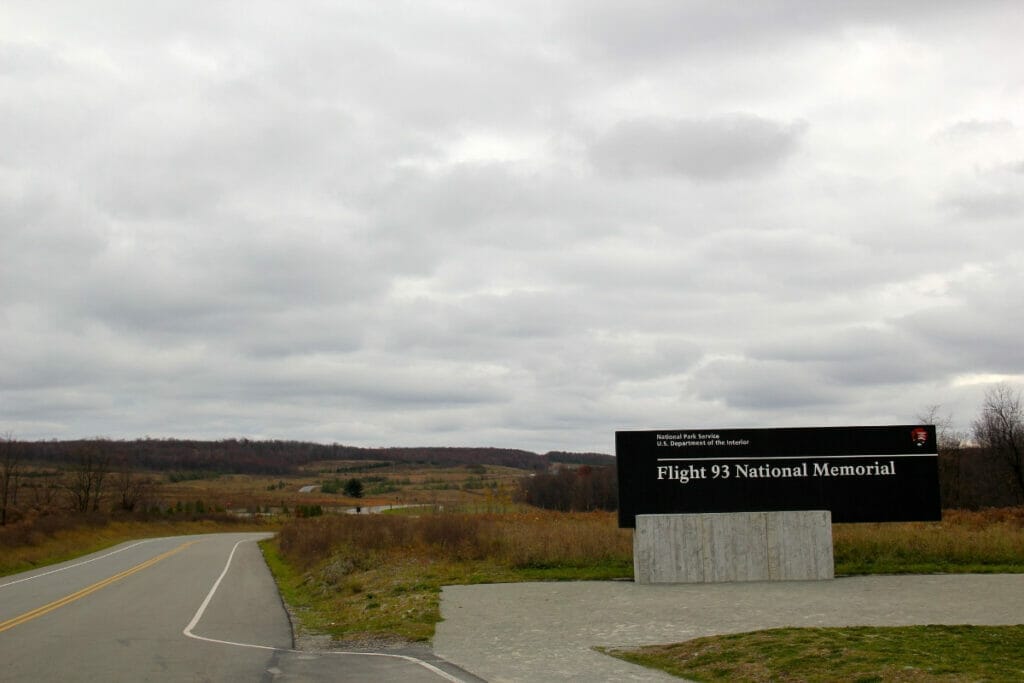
[[659, 29], [765, 385], [718, 148], [977, 331], [975, 127], [987, 206], [859, 356], [988, 194]]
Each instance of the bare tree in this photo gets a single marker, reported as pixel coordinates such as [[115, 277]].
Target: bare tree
[[130, 488], [45, 496], [950, 445], [85, 483], [10, 471], [999, 429]]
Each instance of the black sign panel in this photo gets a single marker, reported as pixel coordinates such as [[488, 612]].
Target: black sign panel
[[861, 474]]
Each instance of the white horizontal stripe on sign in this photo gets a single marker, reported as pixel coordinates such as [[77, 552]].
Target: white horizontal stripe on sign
[[804, 457]]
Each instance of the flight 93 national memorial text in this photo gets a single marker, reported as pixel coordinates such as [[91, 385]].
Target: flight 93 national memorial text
[[860, 474]]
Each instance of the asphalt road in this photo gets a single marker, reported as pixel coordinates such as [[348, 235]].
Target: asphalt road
[[189, 608]]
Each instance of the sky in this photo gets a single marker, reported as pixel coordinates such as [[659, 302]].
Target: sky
[[521, 224]]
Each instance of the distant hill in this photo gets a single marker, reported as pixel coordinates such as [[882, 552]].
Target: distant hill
[[243, 456], [592, 459]]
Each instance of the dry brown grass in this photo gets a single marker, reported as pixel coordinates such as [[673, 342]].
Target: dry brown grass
[[45, 540], [964, 541], [520, 540]]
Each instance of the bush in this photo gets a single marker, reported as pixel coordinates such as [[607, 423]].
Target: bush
[[304, 511], [354, 488], [331, 486]]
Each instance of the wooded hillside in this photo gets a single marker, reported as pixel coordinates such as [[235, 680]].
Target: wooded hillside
[[243, 456]]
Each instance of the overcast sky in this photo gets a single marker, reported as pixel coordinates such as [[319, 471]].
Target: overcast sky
[[520, 224]]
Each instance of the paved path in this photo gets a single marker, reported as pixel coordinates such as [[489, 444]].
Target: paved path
[[545, 632]]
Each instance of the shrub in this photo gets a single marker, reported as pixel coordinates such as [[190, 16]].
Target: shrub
[[304, 511], [354, 488]]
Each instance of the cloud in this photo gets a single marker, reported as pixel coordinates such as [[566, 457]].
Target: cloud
[[717, 148], [653, 30], [992, 205], [523, 225], [988, 194], [979, 328], [743, 383], [864, 356], [973, 128]]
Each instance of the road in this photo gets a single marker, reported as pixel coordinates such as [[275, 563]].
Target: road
[[187, 608]]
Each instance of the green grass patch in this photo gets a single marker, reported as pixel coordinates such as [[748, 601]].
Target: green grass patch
[[813, 655], [607, 570], [399, 599]]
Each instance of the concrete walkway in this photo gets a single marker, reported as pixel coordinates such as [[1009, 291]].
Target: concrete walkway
[[541, 632]]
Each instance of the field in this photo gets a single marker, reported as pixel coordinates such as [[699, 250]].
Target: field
[[476, 487], [197, 502], [965, 541], [373, 577]]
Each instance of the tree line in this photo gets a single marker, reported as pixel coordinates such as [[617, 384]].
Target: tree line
[[92, 474], [244, 456], [984, 465], [580, 489]]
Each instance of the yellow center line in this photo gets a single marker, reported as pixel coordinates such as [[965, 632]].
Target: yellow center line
[[88, 590]]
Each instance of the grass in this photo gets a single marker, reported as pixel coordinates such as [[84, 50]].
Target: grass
[[987, 541], [812, 655]]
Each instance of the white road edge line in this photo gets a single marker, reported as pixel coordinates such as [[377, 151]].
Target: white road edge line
[[216, 584], [78, 564]]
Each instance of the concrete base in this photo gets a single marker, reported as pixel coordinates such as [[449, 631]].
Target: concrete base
[[734, 546]]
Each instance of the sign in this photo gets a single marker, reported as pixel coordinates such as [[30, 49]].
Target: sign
[[860, 474]]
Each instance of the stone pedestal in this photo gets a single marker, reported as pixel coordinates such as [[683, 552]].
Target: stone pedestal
[[733, 546]]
